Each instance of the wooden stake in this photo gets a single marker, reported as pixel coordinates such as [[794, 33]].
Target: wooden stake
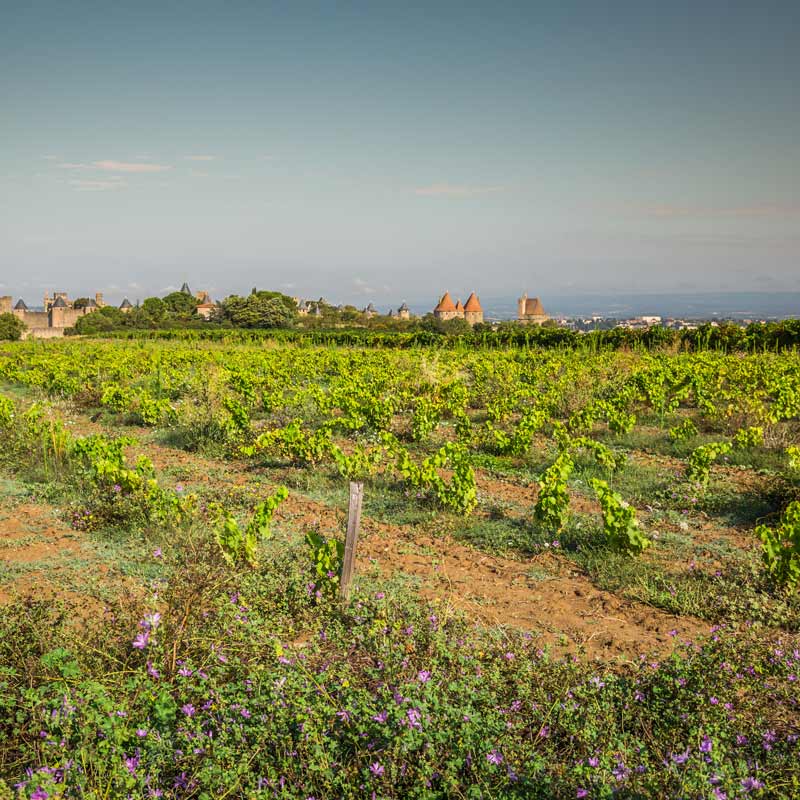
[[351, 540]]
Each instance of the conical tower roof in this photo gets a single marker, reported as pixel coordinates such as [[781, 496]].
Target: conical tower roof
[[185, 288], [20, 306], [446, 303], [125, 303], [459, 305], [473, 304], [59, 303]]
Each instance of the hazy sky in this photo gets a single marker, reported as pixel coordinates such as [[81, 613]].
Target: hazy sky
[[386, 151]]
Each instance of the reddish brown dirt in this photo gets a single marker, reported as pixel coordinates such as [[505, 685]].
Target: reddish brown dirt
[[544, 595], [30, 535], [566, 610], [569, 611]]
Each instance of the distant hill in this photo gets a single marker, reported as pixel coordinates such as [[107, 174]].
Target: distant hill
[[738, 305]]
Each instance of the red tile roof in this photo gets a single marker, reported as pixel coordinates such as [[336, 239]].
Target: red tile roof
[[473, 304], [446, 303]]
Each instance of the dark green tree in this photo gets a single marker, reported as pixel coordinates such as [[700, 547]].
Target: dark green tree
[[103, 320], [11, 327], [154, 308], [180, 304], [259, 310]]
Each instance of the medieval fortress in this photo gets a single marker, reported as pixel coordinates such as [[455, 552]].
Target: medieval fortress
[[59, 313]]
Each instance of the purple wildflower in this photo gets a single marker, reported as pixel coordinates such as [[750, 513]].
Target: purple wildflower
[[131, 763], [494, 757], [377, 769], [681, 758], [188, 709]]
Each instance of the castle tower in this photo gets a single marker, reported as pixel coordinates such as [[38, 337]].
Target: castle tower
[[57, 312], [531, 311], [5, 304], [98, 299], [459, 308], [473, 312], [446, 308]]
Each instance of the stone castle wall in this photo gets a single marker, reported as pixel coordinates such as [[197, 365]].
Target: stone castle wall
[[43, 333]]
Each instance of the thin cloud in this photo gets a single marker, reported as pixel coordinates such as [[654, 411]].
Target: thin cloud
[[200, 158], [124, 166], [198, 173], [116, 166], [96, 186], [694, 212], [455, 190], [361, 286]]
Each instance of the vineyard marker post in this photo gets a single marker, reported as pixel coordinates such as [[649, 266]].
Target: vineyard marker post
[[351, 540]]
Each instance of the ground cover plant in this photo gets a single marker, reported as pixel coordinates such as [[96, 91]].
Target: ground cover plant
[[577, 576]]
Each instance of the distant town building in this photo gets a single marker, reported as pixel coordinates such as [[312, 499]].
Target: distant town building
[[472, 312], [531, 311], [205, 305], [370, 311], [125, 306], [404, 312]]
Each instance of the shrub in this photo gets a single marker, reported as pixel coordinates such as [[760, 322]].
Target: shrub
[[11, 328]]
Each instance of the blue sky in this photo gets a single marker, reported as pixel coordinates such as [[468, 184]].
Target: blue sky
[[371, 151]]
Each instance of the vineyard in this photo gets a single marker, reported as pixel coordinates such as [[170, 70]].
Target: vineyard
[[578, 572]]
